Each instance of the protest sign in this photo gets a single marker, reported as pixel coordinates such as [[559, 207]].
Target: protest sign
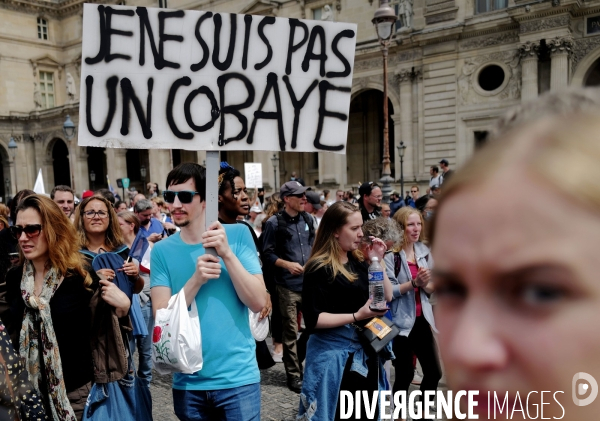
[[253, 173], [184, 79]]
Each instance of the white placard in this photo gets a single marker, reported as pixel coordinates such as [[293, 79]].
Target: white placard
[[184, 79], [253, 173]]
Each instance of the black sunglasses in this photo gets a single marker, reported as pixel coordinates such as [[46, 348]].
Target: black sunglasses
[[184, 196], [30, 230]]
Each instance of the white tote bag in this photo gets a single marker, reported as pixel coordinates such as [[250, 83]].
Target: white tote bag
[[259, 329], [176, 340]]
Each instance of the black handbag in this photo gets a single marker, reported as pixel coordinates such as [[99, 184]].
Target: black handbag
[[377, 333]]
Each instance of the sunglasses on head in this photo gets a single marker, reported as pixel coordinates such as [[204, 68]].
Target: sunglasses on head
[[29, 230], [184, 196]]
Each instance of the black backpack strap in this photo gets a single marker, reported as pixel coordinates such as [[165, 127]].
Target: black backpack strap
[[280, 230]]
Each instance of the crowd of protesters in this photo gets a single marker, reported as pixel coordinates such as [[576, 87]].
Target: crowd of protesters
[[509, 304]]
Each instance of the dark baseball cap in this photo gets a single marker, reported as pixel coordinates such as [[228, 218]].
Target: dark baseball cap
[[444, 161], [314, 199], [290, 188]]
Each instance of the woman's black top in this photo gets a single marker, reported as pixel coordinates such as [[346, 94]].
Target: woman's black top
[[72, 321], [322, 293]]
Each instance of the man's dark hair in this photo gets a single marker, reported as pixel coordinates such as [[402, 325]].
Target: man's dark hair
[[107, 194], [188, 170], [61, 187], [365, 189], [435, 169]]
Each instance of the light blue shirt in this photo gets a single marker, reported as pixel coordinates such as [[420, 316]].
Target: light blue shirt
[[228, 348]]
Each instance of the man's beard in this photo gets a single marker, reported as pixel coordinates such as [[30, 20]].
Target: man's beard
[[182, 224]]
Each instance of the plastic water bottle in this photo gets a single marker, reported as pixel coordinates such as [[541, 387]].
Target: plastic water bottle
[[376, 285]]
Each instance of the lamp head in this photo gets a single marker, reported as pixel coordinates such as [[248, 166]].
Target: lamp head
[[384, 20], [12, 147], [69, 128]]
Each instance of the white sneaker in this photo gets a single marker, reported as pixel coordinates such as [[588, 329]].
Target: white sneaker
[[278, 357]]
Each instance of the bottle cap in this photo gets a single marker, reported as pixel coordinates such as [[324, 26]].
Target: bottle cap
[[375, 259]]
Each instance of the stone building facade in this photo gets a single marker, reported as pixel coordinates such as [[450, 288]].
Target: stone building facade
[[454, 67]]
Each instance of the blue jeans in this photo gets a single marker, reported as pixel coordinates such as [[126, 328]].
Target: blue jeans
[[144, 346], [236, 404]]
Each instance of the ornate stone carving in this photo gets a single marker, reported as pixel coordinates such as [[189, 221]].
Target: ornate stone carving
[[393, 60], [529, 49], [543, 24], [405, 13], [512, 90], [404, 75], [71, 88], [489, 40], [418, 73], [560, 45], [37, 96], [581, 48], [36, 137]]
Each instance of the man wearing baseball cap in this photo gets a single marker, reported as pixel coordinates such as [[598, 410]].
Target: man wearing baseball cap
[[313, 204], [287, 241]]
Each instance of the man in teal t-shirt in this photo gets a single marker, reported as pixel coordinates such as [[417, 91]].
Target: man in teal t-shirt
[[224, 287]]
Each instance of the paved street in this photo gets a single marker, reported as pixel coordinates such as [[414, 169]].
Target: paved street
[[277, 401]]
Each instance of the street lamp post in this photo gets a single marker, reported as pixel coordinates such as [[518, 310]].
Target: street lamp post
[[401, 149], [12, 150], [384, 21], [143, 174], [92, 178], [275, 161]]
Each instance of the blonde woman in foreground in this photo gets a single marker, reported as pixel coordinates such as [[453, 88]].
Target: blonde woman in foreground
[[516, 239]]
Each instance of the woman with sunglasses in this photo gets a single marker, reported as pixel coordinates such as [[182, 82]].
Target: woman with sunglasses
[[335, 297], [49, 294], [409, 269], [99, 232]]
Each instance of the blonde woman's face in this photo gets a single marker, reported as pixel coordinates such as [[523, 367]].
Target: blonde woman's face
[[516, 272]]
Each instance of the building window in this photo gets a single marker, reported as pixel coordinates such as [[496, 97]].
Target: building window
[[482, 6], [481, 138], [42, 26], [491, 77], [47, 89], [323, 13]]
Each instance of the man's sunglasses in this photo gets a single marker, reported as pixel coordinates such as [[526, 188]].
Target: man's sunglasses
[[29, 230], [184, 196]]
